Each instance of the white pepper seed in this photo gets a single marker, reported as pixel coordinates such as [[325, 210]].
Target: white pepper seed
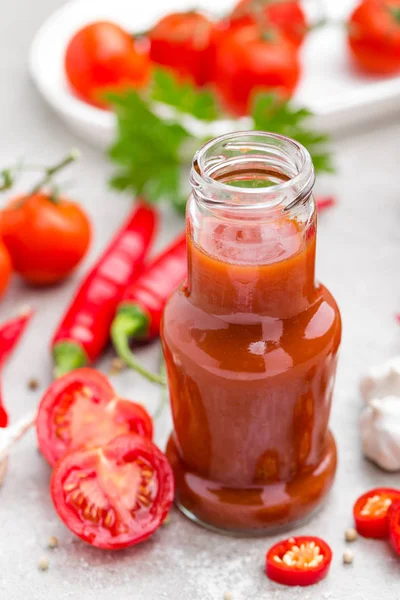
[[43, 563], [52, 542], [348, 557], [228, 596], [350, 535]]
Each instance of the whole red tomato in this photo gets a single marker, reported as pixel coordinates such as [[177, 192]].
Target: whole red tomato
[[46, 237], [288, 17], [374, 36], [102, 57], [183, 41], [248, 61], [5, 268]]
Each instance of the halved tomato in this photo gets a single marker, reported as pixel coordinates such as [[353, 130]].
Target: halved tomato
[[371, 512], [116, 495], [81, 408]]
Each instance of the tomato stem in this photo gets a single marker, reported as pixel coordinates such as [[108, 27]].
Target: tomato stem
[[71, 157]]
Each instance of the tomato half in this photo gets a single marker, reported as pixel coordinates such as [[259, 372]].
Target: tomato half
[[371, 512], [183, 42], [114, 496], [247, 62], [374, 36], [102, 57], [299, 561], [288, 17], [81, 409], [394, 526]]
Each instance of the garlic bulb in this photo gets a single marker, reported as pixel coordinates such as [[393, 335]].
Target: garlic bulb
[[382, 381], [380, 432]]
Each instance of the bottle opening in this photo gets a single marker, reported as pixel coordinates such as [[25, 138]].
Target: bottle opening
[[252, 169]]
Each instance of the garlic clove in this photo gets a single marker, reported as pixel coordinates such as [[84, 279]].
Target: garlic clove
[[380, 432], [382, 380]]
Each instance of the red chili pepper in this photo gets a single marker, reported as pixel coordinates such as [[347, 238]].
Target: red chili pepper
[[394, 526], [84, 330], [10, 333], [142, 305], [299, 561], [371, 512], [325, 202]]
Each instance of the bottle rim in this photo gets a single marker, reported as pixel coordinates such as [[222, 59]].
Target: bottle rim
[[285, 155]]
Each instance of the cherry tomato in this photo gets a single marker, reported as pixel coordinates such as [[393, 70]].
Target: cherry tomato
[[394, 525], [183, 41], [288, 17], [116, 495], [247, 62], [371, 512], [299, 561], [81, 409], [374, 36], [5, 268], [102, 57], [46, 238]]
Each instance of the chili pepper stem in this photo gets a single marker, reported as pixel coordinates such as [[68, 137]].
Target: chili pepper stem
[[71, 157], [68, 356], [122, 346], [130, 322]]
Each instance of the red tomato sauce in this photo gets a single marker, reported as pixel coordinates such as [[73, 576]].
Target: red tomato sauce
[[251, 349]]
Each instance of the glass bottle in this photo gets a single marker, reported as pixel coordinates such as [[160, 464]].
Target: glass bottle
[[250, 342]]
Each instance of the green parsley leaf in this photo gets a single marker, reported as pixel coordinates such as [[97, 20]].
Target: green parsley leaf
[[183, 96], [271, 114], [147, 149]]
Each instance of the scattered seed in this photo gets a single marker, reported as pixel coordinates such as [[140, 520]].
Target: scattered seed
[[43, 563], [117, 365], [52, 542], [228, 596], [350, 535], [33, 384], [348, 557]]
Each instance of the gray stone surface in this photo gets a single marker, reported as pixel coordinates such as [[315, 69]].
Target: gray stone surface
[[359, 251]]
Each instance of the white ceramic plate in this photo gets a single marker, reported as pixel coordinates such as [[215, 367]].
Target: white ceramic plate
[[338, 96]]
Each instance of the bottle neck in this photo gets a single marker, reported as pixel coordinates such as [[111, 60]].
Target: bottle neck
[[249, 268]]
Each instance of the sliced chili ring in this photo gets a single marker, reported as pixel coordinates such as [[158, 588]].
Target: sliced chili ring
[[299, 561], [113, 496], [394, 526], [371, 512]]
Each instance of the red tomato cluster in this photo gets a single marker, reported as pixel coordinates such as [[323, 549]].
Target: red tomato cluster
[[253, 48], [111, 485], [238, 55]]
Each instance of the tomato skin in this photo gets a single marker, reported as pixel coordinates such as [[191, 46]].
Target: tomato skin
[[107, 480], [374, 526], [246, 64], [394, 526], [81, 408], [184, 42], [46, 239], [5, 268], [374, 36], [288, 17], [294, 575], [102, 57]]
